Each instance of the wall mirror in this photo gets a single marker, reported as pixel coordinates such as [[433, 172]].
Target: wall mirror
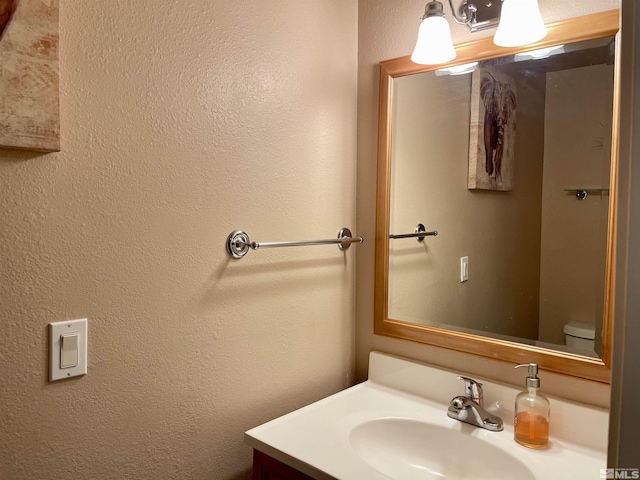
[[511, 158]]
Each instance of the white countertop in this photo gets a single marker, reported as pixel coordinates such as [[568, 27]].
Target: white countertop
[[317, 441]]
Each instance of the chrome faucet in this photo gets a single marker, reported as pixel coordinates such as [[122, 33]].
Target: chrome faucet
[[468, 408]]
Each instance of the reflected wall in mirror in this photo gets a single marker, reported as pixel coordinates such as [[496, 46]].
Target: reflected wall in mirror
[[539, 257], [536, 254]]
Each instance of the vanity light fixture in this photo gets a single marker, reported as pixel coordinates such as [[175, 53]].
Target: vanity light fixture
[[434, 43], [519, 23]]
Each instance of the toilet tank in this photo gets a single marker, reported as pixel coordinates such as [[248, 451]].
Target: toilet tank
[[580, 335]]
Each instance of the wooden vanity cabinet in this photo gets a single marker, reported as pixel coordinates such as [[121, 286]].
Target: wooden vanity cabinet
[[268, 468]]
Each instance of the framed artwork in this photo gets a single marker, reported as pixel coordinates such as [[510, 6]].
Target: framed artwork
[[29, 75], [492, 130]]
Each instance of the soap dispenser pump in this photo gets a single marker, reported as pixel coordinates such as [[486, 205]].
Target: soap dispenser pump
[[531, 419]]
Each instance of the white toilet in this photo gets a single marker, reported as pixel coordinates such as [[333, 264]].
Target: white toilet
[[580, 335]]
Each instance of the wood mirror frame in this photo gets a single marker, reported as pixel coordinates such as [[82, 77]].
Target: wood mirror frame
[[568, 31]]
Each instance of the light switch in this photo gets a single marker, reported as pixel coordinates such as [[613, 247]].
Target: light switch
[[67, 349], [464, 269]]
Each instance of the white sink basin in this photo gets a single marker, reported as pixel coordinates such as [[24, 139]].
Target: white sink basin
[[406, 449], [395, 427]]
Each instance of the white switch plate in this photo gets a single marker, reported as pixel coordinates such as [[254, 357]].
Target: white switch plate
[[56, 330], [464, 269]]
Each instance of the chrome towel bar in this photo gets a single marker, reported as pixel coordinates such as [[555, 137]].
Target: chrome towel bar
[[238, 242], [420, 233], [581, 193]]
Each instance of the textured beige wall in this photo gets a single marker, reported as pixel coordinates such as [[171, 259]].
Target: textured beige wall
[[387, 29], [181, 121]]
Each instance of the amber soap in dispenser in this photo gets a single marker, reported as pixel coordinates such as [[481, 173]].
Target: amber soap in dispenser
[[531, 420]]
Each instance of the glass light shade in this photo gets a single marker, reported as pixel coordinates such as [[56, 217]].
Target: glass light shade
[[434, 43], [520, 24], [457, 69], [539, 54]]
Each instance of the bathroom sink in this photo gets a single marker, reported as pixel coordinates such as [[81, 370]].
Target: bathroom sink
[[406, 449], [395, 426]]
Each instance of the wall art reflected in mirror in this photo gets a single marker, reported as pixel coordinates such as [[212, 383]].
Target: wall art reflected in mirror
[[509, 159]]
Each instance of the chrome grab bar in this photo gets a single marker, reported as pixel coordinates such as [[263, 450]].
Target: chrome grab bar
[[238, 242]]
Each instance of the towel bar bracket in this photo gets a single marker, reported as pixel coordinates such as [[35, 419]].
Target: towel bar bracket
[[238, 244]]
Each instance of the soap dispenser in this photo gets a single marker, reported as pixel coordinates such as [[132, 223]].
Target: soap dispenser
[[531, 419]]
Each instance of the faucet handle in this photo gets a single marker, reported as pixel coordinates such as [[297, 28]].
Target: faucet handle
[[472, 389]]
